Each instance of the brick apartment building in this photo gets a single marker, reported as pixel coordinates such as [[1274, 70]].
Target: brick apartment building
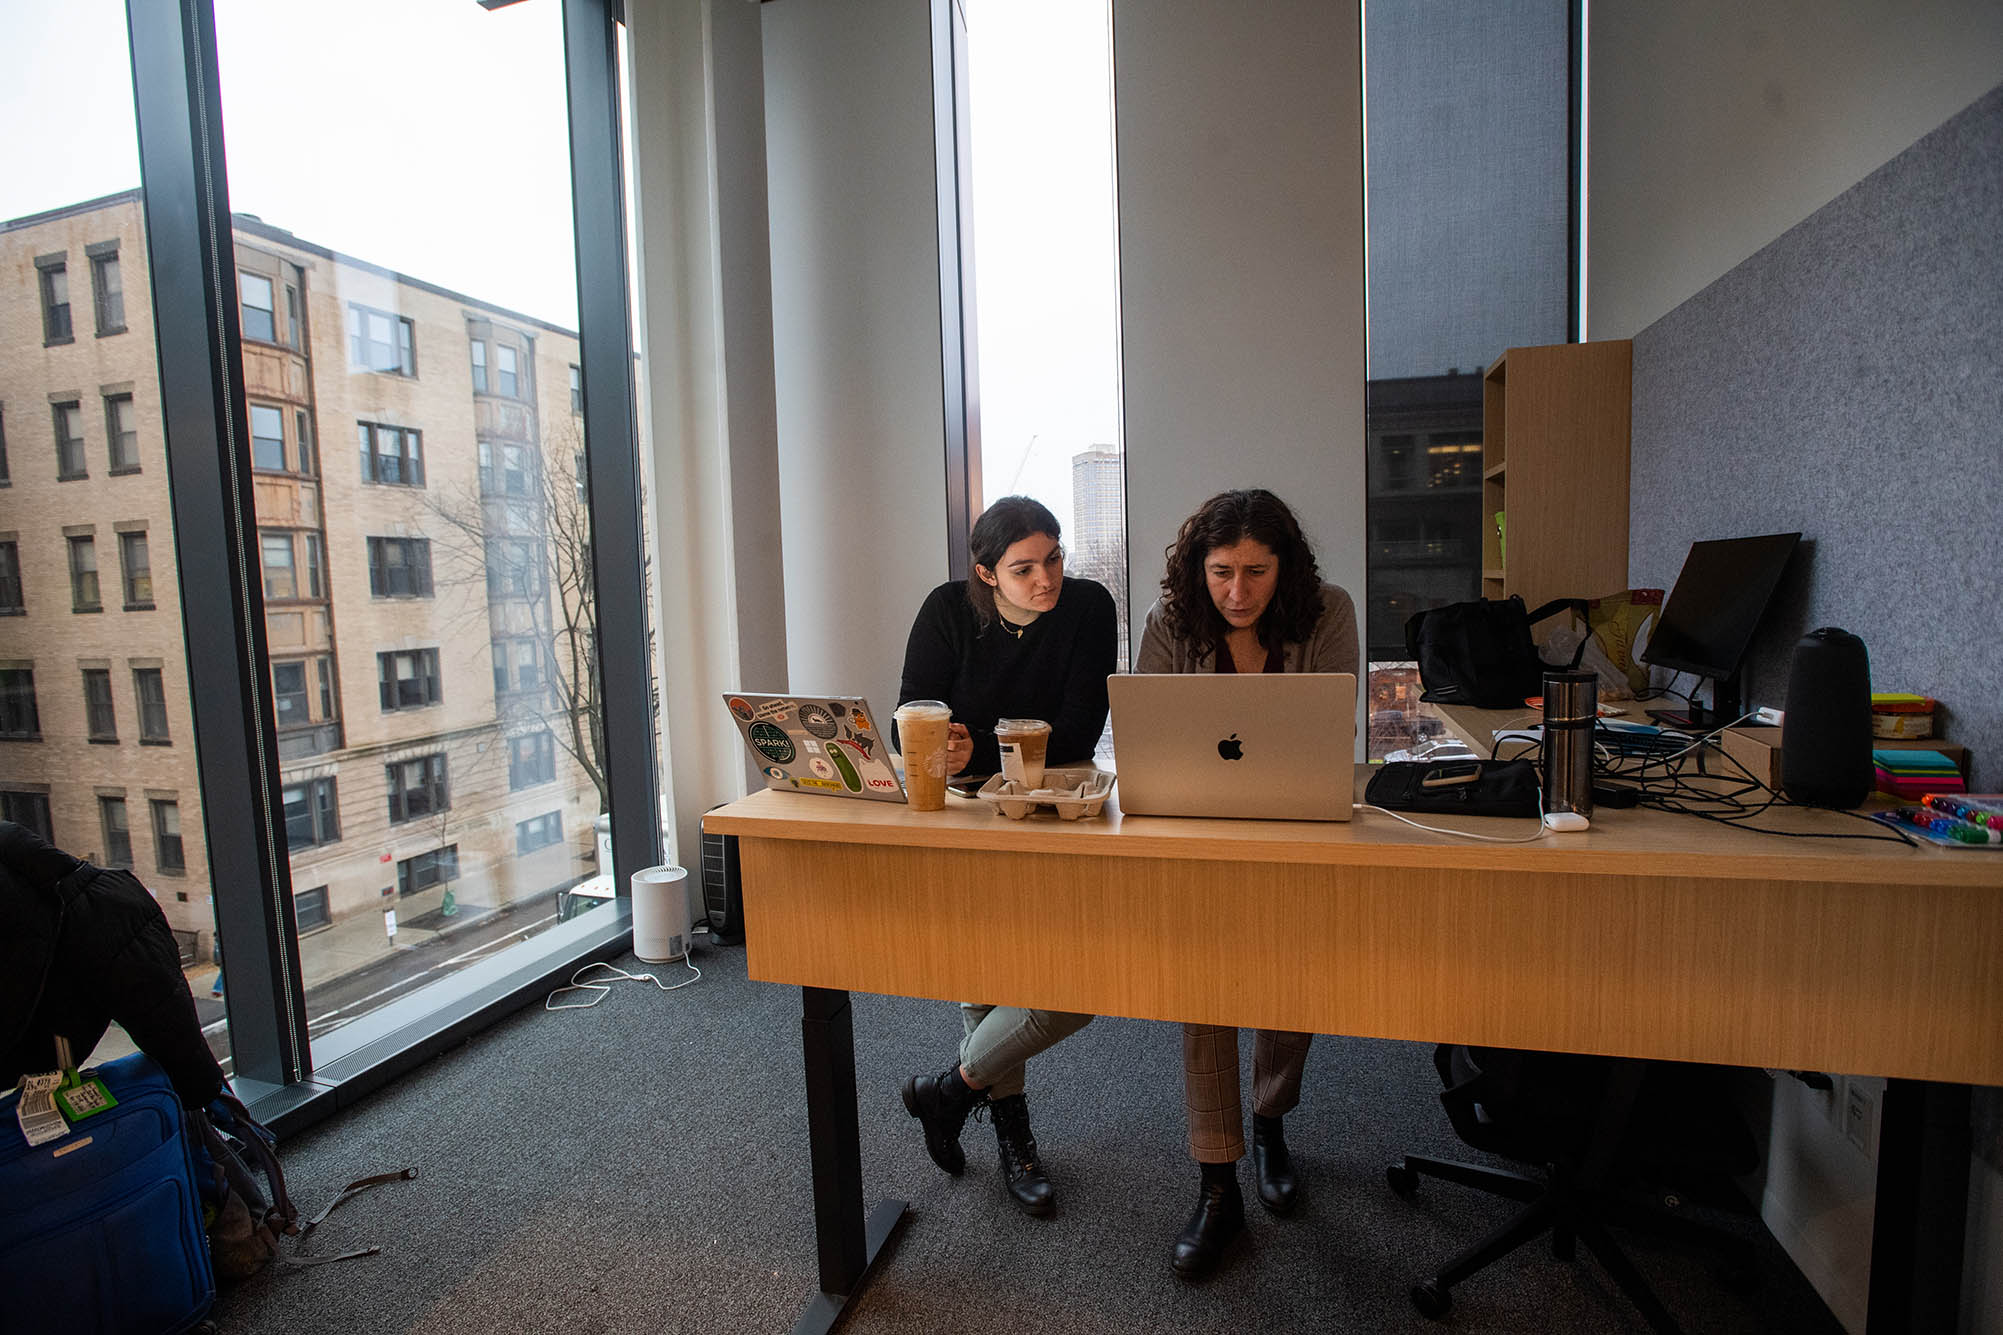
[[414, 456]]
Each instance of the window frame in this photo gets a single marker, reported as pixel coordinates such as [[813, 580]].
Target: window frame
[[152, 706], [115, 834], [107, 288], [166, 810], [548, 828], [13, 591], [440, 864], [63, 414], [267, 414], [310, 910], [37, 814], [121, 434], [537, 767], [20, 713], [58, 316], [100, 708], [424, 671], [76, 545], [382, 570], [401, 342], [131, 572], [431, 783], [507, 371], [266, 330], [320, 796], [268, 541], [409, 454]]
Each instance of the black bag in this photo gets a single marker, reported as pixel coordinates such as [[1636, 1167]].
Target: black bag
[[1481, 653], [1456, 787]]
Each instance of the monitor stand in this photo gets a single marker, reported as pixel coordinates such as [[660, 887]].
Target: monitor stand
[[1695, 718]]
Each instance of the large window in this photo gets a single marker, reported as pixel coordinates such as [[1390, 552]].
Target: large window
[[68, 417], [539, 832], [149, 687], [380, 341], [85, 595], [417, 788], [121, 426], [281, 579], [400, 567], [267, 437], [100, 716], [107, 288], [55, 278], [312, 813], [427, 870], [409, 680], [116, 825], [392, 455], [169, 855], [260, 312], [531, 760], [19, 718], [135, 559]]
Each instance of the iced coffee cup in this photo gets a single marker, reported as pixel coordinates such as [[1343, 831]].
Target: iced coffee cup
[[1024, 742], [922, 730]]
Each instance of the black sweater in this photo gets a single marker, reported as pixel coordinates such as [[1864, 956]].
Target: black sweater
[[1055, 672]]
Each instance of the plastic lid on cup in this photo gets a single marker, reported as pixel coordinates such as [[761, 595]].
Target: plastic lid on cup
[[1013, 725], [923, 709]]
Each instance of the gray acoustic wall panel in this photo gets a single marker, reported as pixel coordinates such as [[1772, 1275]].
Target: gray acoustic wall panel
[[1847, 381]]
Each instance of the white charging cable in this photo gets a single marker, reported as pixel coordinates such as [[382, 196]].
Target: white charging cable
[[1466, 834], [603, 984]]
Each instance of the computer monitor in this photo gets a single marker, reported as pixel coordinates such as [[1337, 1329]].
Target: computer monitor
[[1709, 618]]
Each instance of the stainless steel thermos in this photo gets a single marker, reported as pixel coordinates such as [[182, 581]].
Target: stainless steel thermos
[[1571, 708]]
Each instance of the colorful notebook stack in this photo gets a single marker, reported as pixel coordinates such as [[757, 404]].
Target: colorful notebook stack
[[1914, 774]]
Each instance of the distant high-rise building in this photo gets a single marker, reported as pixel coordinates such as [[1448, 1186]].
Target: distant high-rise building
[[1097, 542], [414, 459]]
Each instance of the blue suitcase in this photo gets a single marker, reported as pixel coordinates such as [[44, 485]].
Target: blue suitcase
[[101, 1230]]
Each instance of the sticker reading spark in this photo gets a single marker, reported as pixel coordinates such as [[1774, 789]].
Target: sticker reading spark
[[772, 743]]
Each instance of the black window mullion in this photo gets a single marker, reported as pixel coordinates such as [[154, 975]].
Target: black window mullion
[[604, 325], [192, 270]]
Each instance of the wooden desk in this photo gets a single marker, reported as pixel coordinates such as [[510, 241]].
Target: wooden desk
[[1650, 935]]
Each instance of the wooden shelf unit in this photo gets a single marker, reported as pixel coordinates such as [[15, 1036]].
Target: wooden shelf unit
[[1557, 418]]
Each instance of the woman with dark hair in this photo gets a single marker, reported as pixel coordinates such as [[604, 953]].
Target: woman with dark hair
[[1017, 640], [1242, 594]]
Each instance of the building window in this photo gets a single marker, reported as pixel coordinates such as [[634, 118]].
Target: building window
[[100, 722], [260, 316], [151, 690], [576, 389], [108, 290], [84, 595], [316, 578], [19, 719], [292, 702], [485, 454], [391, 455], [427, 869], [121, 426], [400, 567], [517, 665], [507, 383], [311, 814], [303, 433], [511, 569], [137, 561], [408, 680], [6, 480], [515, 461], [30, 810], [267, 438], [292, 322], [479, 366], [379, 341], [309, 909], [12, 600], [324, 670], [280, 579], [117, 825], [168, 854], [531, 760], [417, 788], [583, 481], [69, 440], [55, 275], [540, 832]]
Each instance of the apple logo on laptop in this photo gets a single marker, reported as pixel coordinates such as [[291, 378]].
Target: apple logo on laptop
[[1231, 748]]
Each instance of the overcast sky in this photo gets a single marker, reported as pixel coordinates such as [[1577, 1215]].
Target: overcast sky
[[429, 136]]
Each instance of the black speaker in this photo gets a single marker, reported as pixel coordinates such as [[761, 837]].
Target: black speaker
[[722, 891], [1825, 739]]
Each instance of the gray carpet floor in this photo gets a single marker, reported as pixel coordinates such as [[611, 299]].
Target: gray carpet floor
[[642, 1166]]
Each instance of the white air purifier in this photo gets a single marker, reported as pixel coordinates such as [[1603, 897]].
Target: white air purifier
[[661, 914]]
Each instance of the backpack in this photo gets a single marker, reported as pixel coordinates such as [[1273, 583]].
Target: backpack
[[1481, 653]]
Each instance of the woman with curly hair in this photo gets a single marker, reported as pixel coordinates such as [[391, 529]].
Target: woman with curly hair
[[1242, 594]]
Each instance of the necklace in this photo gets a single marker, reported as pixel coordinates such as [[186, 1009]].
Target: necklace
[[1010, 626]]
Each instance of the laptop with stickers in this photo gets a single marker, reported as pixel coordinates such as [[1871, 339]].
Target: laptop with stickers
[[817, 744], [1277, 746]]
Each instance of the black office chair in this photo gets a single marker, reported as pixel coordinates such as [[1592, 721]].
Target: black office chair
[[1597, 1126]]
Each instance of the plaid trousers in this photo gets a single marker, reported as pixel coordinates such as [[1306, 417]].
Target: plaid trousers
[[1210, 1085]]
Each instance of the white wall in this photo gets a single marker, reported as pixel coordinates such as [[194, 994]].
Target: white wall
[[1239, 152], [699, 199], [1716, 125], [856, 338]]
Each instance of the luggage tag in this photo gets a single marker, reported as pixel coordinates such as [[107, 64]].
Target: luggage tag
[[76, 1096], [40, 1121]]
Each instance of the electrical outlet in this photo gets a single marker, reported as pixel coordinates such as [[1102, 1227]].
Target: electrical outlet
[[1857, 1106]]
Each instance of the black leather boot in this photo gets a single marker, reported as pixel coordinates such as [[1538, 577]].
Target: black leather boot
[[1021, 1171], [1219, 1217], [1278, 1191], [941, 1104]]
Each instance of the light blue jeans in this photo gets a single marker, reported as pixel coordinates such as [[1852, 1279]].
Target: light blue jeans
[[999, 1039]]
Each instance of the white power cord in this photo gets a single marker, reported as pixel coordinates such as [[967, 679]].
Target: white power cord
[[603, 984], [1466, 834]]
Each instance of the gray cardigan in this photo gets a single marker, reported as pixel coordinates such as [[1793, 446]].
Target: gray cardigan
[[1330, 648]]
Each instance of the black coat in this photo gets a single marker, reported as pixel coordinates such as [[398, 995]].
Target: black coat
[[84, 946]]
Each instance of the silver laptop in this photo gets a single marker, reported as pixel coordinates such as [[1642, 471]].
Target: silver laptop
[[1277, 746], [832, 744]]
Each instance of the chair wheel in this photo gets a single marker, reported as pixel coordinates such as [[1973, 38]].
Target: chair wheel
[[1402, 1180], [1431, 1300]]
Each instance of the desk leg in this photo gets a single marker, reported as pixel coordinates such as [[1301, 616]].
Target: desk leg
[[1920, 1224], [849, 1244]]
